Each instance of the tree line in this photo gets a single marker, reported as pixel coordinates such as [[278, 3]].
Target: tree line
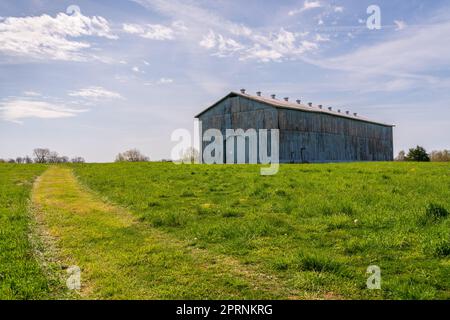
[[42, 155], [190, 155], [420, 154]]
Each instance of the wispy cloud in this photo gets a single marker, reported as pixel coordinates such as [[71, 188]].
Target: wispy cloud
[[226, 38], [46, 37], [15, 110], [225, 46], [322, 38], [400, 25], [160, 81], [415, 57], [150, 31], [95, 93], [307, 5], [276, 46], [165, 81], [155, 31], [32, 93], [137, 69]]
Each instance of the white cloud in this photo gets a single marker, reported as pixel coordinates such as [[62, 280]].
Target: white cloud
[[307, 5], [225, 46], [20, 108], [136, 69], [132, 28], [160, 81], [32, 93], [209, 40], [322, 38], [400, 25], [240, 30], [122, 78], [179, 26], [165, 81], [95, 93], [263, 55], [274, 47], [415, 58], [155, 31], [339, 9], [46, 37], [226, 38]]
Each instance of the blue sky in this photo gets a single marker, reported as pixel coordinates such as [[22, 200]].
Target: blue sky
[[125, 74]]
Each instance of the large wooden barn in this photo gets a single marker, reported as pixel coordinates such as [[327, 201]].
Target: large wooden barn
[[307, 133]]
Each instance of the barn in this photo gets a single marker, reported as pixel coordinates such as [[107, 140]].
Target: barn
[[307, 133]]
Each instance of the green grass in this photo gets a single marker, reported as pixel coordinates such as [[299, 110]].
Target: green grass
[[20, 274], [315, 227], [198, 231], [122, 258]]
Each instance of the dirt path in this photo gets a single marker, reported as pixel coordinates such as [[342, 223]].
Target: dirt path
[[121, 258]]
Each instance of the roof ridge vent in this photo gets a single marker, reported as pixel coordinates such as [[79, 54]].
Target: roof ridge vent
[[310, 104], [330, 108], [298, 101], [258, 93], [273, 96], [320, 106], [243, 91], [286, 99]]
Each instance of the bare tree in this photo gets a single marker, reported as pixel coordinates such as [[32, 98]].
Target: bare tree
[[53, 157], [401, 156], [19, 160], [11, 161], [120, 157], [132, 155], [27, 159], [63, 159], [191, 155], [78, 160], [440, 156], [41, 155], [2, 161]]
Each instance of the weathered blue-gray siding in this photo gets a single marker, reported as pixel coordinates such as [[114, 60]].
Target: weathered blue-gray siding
[[304, 136]]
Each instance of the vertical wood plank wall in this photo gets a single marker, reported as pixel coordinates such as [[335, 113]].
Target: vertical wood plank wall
[[304, 136]]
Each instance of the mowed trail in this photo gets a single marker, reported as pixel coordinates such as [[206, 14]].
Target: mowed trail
[[122, 258]]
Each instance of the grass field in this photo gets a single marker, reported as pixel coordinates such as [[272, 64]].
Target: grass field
[[317, 227], [159, 230], [21, 277], [122, 258]]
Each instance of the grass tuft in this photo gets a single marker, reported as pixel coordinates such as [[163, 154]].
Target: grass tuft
[[309, 262], [442, 248], [436, 212]]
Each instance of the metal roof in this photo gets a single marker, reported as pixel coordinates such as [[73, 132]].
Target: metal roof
[[294, 106]]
